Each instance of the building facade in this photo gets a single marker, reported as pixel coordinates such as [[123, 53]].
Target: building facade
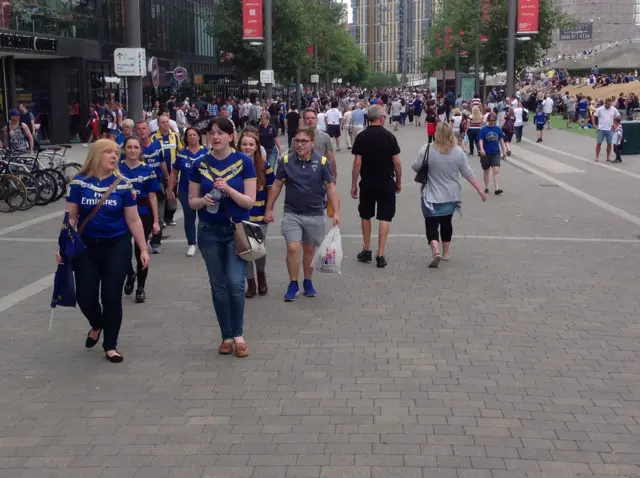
[[391, 33], [600, 22], [57, 55]]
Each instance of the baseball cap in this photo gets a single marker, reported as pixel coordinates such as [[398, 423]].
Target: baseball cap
[[14, 113]]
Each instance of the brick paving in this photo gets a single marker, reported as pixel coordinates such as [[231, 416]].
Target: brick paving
[[518, 359]]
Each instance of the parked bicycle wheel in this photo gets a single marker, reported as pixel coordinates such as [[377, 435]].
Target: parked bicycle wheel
[[48, 188], [70, 170], [61, 183], [13, 193], [32, 187]]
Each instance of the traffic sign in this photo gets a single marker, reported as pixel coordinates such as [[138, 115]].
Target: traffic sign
[[180, 74], [266, 77], [315, 78], [130, 62]]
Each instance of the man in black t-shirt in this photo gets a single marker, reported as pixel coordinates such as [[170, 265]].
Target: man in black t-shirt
[[377, 164], [291, 123]]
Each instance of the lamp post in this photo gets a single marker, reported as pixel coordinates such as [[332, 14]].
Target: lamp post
[[268, 44], [511, 48]]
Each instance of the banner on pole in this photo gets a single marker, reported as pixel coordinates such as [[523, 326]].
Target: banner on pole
[[528, 17], [252, 24]]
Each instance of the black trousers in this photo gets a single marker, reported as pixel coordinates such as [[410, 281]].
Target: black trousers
[[156, 239], [432, 223], [100, 272], [473, 134], [147, 225]]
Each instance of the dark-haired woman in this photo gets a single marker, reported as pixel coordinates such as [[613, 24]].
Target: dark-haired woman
[[249, 144], [145, 185], [185, 158], [222, 188]]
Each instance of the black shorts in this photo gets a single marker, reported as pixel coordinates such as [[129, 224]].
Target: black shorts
[[333, 130], [490, 161], [539, 127], [396, 119], [378, 198]]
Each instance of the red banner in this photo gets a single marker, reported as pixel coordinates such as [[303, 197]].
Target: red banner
[[528, 17], [252, 25]]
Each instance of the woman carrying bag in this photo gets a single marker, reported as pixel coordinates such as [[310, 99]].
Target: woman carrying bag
[[438, 166], [222, 188], [103, 206]]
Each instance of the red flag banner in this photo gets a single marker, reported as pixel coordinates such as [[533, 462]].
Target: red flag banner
[[528, 17], [252, 25]]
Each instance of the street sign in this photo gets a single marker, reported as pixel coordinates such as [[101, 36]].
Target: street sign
[[180, 74], [154, 70], [130, 62], [266, 77], [315, 78], [340, 81]]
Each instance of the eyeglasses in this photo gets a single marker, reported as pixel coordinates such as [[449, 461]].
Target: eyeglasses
[[302, 141]]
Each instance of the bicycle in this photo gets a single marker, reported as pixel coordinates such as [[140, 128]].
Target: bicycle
[[13, 193], [40, 184]]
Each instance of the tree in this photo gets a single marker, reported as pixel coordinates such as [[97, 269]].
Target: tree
[[458, 21], [297, 25]]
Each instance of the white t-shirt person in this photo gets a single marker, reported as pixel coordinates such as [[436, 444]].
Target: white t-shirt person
[[333, 116], [519, 117], [547, 106], [605, 117], [322, 125], [396, 107]]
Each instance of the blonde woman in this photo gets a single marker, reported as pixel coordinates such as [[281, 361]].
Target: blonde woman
[[440, 196], [106, 230], [473, 130]]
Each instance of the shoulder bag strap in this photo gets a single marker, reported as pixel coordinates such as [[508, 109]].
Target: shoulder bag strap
[[95, 210]]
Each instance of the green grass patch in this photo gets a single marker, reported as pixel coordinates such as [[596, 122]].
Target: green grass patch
[[558, 123]]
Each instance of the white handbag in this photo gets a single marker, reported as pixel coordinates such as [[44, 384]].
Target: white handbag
[[249, 241]]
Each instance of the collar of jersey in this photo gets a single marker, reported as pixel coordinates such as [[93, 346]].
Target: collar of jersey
[[304, 160]]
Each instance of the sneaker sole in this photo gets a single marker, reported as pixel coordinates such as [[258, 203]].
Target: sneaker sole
[[310, 295], [291, 300]]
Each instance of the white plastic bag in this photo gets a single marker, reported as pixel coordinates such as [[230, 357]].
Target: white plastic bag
[[328, 257]]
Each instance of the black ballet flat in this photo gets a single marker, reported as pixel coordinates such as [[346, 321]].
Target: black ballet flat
[[89, 343], [114, 358]]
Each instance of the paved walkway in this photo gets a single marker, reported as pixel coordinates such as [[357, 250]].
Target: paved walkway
[[518, 359]]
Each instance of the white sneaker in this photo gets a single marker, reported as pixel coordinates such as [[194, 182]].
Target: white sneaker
[[191, 251]]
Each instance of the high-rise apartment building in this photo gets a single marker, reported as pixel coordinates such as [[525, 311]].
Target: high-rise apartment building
[[600, 22], [391, 33]]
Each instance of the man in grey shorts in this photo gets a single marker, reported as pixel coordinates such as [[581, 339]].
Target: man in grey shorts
[[307, 176]]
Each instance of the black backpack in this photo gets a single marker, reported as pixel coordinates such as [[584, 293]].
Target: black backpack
[[525, 116]]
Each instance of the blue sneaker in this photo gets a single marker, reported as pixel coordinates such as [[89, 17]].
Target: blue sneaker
[[292, 291], [309, 291]]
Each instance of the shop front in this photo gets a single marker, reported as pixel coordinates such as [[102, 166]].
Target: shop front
[[49, 76]]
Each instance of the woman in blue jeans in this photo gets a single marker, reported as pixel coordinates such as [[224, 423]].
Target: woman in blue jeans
[[269, 140], [222, 188], [185, 158]]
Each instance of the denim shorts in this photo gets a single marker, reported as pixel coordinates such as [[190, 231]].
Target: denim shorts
[[605, 134]]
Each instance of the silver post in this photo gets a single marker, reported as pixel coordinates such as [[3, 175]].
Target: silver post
[[268, 44], [134, 83], [511, 48]]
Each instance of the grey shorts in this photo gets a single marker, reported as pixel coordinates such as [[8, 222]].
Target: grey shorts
[[490, 161], [305, 229]]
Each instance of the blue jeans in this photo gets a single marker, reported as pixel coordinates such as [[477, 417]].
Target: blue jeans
[[189, 218], [272, 157], [226, 276]]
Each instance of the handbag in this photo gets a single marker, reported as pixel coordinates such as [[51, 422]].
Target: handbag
[[248, 235], [95, 210], [423, 173]]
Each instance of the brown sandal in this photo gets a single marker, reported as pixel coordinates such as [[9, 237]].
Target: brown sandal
[[242, 349], [225, 348]]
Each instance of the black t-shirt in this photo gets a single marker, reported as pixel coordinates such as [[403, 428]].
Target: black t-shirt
[[293, 121], [377, 146]]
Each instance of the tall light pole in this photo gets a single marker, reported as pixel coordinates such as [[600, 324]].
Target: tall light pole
[[476, 59], [268, 44], [134, 83], [511, 48]]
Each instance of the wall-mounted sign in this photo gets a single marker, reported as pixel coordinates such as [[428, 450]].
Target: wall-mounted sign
[[528, 19], [154, 71], [180, 74], [25, 42], [130, 61], [198, 79], [581, 31]]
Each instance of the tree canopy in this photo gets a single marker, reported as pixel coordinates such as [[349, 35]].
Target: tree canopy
[[297, 25], [460, 18]]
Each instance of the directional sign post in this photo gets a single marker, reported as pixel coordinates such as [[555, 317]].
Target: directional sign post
[[130, 62], [266, 77]]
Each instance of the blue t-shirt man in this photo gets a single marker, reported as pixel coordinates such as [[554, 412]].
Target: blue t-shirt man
[[583, 105], [357, 117], [109, 221], [144, 181], [152, 156], [539, 119], [235, 168], [490, 137]]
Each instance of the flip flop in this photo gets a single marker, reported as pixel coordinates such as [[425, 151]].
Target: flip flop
[[435, 261]]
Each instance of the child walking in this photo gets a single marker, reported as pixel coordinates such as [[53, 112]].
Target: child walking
[[617, 139], [539, 119]]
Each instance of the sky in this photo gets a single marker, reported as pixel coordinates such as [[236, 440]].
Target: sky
[[348, 4]]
